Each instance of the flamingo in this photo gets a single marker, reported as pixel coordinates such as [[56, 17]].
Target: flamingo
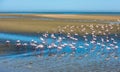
[[59, 39], [42, 39], [73, 48], [25, 45], [59, 49], [33, 44], [41, 47], [53, 36], [92, 42], [7, 43], [18, 43], [51, 47]]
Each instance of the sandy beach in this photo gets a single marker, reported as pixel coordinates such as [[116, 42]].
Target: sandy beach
[[70, 16], [48, 22], [77, 16]]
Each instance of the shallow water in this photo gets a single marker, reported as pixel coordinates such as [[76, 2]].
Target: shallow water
[[83, 59], [26, 38]]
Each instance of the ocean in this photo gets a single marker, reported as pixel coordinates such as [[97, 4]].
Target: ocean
[[88, 13]]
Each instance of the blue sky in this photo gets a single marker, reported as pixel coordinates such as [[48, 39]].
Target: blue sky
[[59, 5]]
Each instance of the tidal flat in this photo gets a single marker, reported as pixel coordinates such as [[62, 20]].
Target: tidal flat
[[59, 43]]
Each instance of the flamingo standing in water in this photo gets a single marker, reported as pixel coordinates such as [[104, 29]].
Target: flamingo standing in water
[[18, 44], [52, 48], [53, 37], [59, 49], [33, 44], [7, 43], [25, 46], [73, 48], [41, 48]]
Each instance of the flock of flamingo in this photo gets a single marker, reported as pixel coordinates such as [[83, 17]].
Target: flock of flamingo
[[78, 41]]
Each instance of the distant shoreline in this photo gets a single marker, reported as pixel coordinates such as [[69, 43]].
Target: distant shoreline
[[68, 16], [81, 13]]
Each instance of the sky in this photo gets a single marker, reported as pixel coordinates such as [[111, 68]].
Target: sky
[[59, 5]]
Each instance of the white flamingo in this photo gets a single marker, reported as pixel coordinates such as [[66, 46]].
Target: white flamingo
[[18, 43], [7, 43], [41, 47]]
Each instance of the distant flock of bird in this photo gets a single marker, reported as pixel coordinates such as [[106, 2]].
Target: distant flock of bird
[[79, 41]]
